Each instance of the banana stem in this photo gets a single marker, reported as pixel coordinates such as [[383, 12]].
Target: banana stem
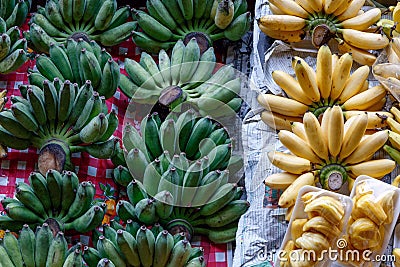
[[190, 25], [217, 36], [211, 29], [75, 139]]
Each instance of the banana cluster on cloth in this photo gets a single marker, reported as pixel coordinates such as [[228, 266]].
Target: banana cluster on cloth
[[97, 20], [172, 20], [341, 21]]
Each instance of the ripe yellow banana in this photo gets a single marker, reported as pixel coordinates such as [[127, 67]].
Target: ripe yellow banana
[[340, 74], [281, 180], [365, 99], [354, 83], [396, 45], [394, 139], [306, 5], [352, 10], [275, 10], [343, 7], [367, 147], [324, 71], [289, 163], [393, 125], [291, 86], [290, 7], [364, 40], [278, 121], [361, 56], [354, 131], [378, 106], [307, 79], [315, 136], [376, 119], [374, 168], [396, 112], [396, 16], [288, 197], [336, 130], [325, 124], [282, 22], [317, 5], [363, 21], [331, 5], [282, 105], [298, 146], [286, 36], [298, 129]]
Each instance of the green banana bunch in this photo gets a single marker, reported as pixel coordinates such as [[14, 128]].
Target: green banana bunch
[[186, 75], [41, 248], [57, 199], [98, 20], [59, 119], [12, 48], [78, 62], [14, 12], [167, 21], [174, 191], [142, 247]]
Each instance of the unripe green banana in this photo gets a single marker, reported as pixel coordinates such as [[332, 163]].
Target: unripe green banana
[[146, 244], [19, 212], [137, 163], [24, 116], [54, 185], [164, 204], [125, 210], [196, 262], [152, 177], [70, 183], [103, 150], [25, 194], [221, 235], [135, 191], [10, 243], [221, 198], [190, 61], [84, 197], [112, 119], [5, 258], [57, 251], [105, 263], [94, 129], [132, 227], [26, 242], [43, 239], [108, 249], [104, 16], [132, 139], [74, 259], [128, 246], [180, 254], [170, 181], [145, 211], [201, 130], [91, 256], [163, 247], [122, 175], [88, 221], [36, 100]]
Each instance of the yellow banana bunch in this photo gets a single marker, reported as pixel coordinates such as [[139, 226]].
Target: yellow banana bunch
[[328, 153], [394, 137], [315, 91], [341, 21]]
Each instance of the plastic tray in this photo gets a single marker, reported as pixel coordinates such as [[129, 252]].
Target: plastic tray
[[298, 213], [379, 188]]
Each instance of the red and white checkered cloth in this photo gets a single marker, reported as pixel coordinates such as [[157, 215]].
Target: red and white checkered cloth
[[19, 164]]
